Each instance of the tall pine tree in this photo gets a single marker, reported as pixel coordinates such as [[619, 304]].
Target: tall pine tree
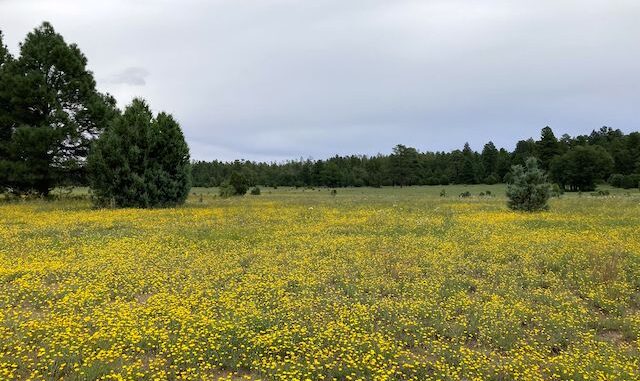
[[50, 112], [548, 147]]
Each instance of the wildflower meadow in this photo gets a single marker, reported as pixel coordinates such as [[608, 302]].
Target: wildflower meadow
[[365, 284]]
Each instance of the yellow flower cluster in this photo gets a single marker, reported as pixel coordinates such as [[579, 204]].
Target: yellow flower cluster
[[313, 287]]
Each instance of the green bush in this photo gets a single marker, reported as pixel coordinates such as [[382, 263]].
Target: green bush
[[624, 181], [631, 181], [556, 190], [616, 180], [255, 191], [226, 190], [239, 183], [600, 193], [236, 185], [491, 179], [528, 190], [465, 194]]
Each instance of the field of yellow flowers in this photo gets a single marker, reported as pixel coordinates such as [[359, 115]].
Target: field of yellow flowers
[[302, 285]]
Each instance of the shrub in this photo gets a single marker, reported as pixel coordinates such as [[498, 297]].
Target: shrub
[[491, 179], [528, 190], [443, 193], [556, 190], [239, 184], [255, 191], [615, 180], [433, 181], [631, 181], [226, 190], [624, 181], [465, 194]]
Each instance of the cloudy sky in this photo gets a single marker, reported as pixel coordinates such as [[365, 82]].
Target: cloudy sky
[[284, 79]]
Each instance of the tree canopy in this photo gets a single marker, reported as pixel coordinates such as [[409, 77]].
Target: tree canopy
[[50, 111], [140, 161]]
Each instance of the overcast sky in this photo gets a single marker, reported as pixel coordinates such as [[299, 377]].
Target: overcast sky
[[284, 79]]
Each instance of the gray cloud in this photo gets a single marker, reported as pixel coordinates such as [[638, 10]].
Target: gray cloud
[[280, 79], [134, 76]]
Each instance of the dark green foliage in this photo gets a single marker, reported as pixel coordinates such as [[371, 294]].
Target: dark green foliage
[[404, 165], [469, 169], [631, 181], [489, 157], [239, 183], [548, 147], [524, 150], [503, 165], [50, 112], [443, 193], [226, 190], [170, 168], [255, 191], [556, 190], [624, 181], [491, 179], [581, 167], [465, 194], [408, 166], [616, 180], [140, 161], [529, 190]]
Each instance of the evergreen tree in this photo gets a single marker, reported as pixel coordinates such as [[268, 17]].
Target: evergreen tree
[[239, 183], [489, 157], [528, 190], [524, 150], [169, 170], [503, 165], [468, 173], [5, 102], [404, 165], [140, 161], [581, 167], [547, 147], [50, 112]]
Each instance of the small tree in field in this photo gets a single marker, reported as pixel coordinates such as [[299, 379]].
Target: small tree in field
[[140, 161], [237, 185], [528, 190]]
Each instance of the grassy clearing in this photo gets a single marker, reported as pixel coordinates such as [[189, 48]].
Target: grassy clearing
[[384, 284]]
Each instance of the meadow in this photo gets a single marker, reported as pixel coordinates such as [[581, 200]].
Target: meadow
[[297, 284]]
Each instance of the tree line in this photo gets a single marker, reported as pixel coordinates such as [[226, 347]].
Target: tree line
[[574, 163]]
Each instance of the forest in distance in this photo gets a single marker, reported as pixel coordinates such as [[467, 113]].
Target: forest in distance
[[574, 163]]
